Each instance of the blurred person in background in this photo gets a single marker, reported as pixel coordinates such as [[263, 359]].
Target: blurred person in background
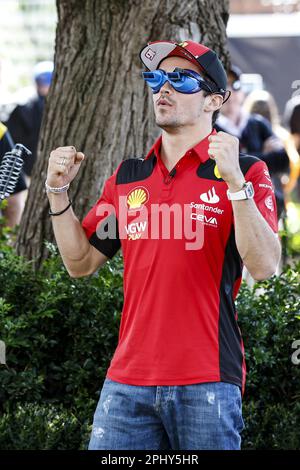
[[291, 120], [255, 134], [263, 103], [15, 202], [24, 122]]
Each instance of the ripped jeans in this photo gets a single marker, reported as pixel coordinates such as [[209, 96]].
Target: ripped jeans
[[197, 416]]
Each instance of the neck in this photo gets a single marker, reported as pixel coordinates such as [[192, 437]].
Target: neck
[[176, 142]]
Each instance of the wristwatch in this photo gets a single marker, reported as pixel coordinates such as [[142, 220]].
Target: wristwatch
[[247, 192]]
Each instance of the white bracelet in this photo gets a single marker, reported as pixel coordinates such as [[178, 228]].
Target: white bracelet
[[62, 189]]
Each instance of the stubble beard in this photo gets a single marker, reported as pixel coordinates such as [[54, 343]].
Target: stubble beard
[[168, 122]]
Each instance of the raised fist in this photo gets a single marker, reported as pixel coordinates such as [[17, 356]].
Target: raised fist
[[63, 166]]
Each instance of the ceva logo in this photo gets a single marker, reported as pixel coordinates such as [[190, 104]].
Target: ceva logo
[[210, 196], [205, 219]]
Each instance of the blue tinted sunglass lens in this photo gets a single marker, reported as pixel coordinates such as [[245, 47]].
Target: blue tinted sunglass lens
[[174, 76], [154, 79], [194, 82], [186, 85], [178, 80]]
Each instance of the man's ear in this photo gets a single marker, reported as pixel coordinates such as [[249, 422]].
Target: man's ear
[[213, 102]]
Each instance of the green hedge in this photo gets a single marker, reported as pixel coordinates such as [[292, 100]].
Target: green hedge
[[269, 318], [60, 335]]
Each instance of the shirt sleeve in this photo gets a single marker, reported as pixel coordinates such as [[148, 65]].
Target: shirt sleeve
[[101, 223], [264, 195]]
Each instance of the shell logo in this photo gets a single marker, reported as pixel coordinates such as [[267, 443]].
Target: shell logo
[[137, 198]]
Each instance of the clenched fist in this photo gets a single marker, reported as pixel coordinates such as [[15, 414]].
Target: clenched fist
[[63, 166], [224, 149]]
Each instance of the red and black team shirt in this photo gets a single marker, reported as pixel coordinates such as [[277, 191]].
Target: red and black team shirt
[[179, 321]]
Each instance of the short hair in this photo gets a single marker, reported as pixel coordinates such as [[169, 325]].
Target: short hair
[[206, 93]]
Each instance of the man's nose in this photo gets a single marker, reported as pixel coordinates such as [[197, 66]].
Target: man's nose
[[166, 88]]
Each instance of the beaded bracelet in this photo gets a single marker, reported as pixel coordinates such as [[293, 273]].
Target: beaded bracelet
[[62, 189]]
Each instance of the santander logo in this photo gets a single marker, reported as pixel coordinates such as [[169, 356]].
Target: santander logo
[[210, 196]]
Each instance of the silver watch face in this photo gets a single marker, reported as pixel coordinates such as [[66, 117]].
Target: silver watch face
[[249, 190]]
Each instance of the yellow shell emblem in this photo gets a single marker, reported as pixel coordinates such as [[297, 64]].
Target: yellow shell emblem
[[216, 172], [136, 198]]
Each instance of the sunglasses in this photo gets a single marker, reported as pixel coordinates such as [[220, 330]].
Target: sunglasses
[[182, 80], [236, 85]]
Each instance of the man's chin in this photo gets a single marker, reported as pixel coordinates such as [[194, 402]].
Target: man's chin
[[166, 125]]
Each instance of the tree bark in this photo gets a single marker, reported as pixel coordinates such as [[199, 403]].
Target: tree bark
[[98, 101]]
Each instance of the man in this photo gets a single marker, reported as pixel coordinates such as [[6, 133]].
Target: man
[[255, 134], [25, 121], [16, 201], [178, 373]]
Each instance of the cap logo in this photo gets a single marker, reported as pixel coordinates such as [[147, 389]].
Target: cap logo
[[150, 54], [183, 44]]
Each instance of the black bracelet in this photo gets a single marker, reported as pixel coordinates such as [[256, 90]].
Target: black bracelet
[[61, 212]]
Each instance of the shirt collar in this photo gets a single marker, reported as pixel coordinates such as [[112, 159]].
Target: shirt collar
[[200, 149], [155, 148]]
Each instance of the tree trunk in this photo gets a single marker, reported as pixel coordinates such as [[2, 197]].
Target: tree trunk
[[98, 101]]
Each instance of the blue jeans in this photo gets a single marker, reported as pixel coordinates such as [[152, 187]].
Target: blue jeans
[[159, 417]]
